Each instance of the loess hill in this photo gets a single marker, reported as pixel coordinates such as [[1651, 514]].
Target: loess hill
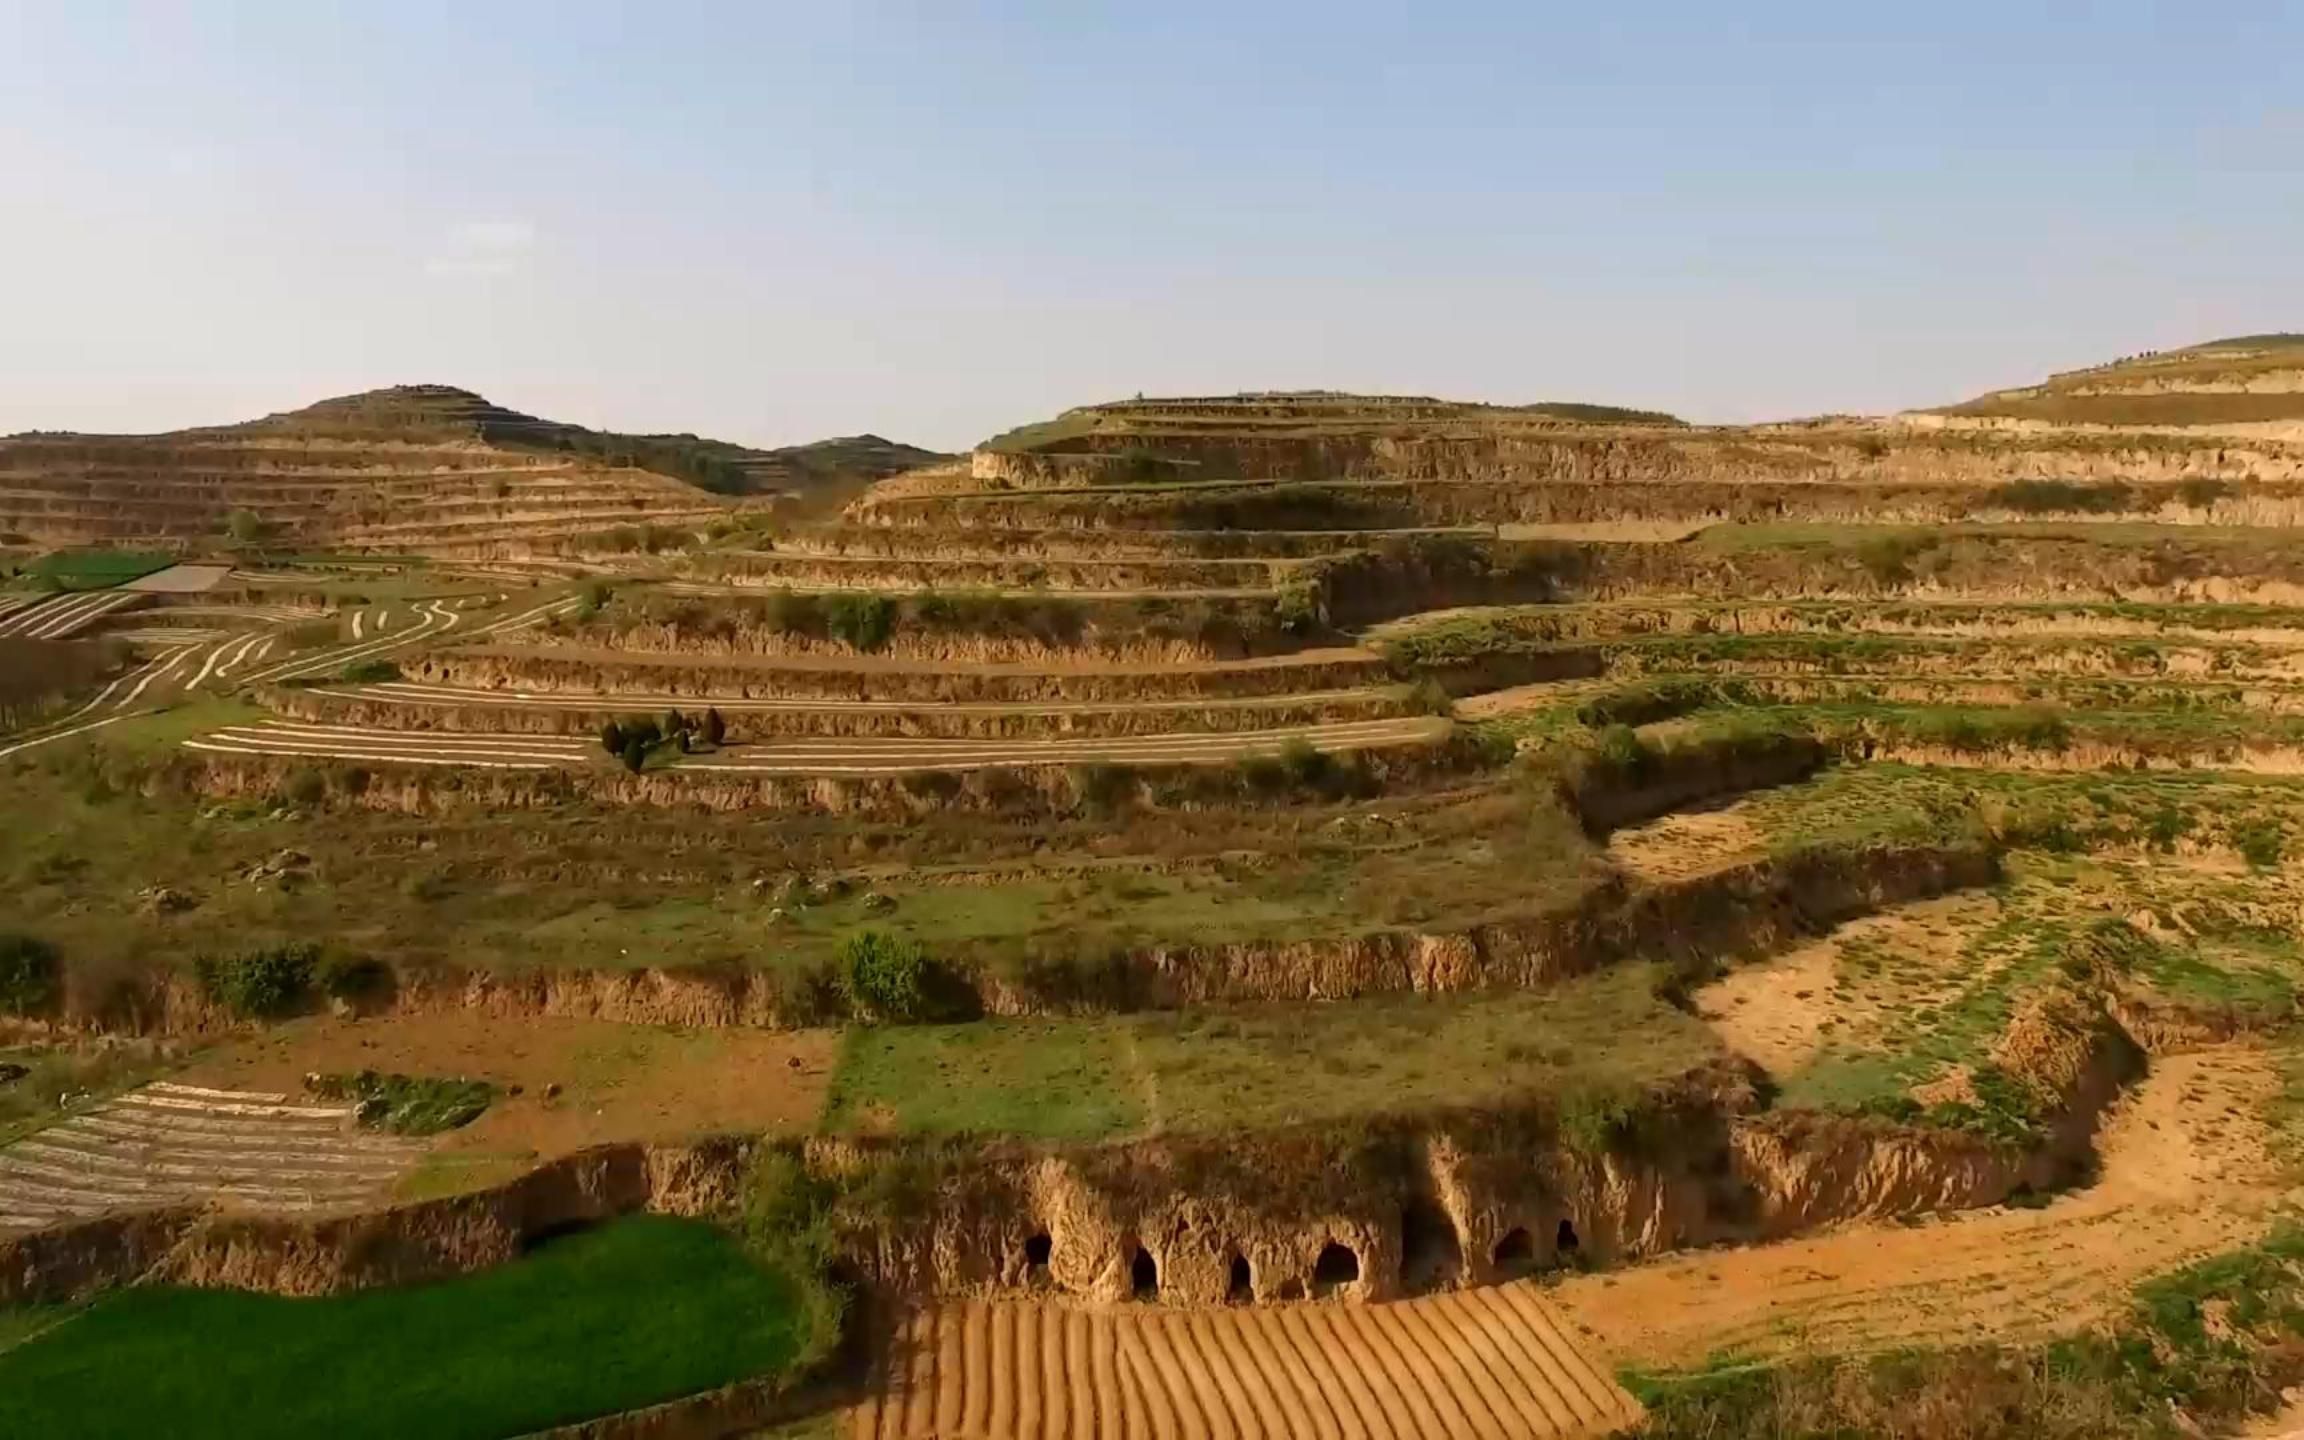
[[1216, 855], [418, 468]]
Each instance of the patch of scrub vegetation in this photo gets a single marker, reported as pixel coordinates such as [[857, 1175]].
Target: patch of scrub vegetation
[[559, 887], [547, 1340], [62, 1079], [1915, 1016], [1250, 1067], [2198, 1352], [408, 1104]]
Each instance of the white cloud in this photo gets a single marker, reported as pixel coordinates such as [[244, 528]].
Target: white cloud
[[483, 247]]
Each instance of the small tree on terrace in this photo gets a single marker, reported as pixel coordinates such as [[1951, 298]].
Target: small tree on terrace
[[612, 738], [635, 754], [715, 728]]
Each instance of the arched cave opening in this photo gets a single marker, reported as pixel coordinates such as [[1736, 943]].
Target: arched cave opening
[[1431, 1257], [1240, 1288], [1564, 1239], [1144, 1275], [1516, 1253], [1037, 1252], [1336, 1266]]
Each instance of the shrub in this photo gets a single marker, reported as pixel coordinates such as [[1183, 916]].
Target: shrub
[[1305, 763], [2053, 497], [408, 1104], [1101, 787], [715, 728], [31, 975], [1622, 750], [2200, 492], [862, 622], [260, 984], [304, 787], [644, 730], [635, 755], [1263, 774], [1429, 697], [612, 738], [354, 979], [884, 977], [370, 672], [1888, 558], [2259, 842], [794, 614]]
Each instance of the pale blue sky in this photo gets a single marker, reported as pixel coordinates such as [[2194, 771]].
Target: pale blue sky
[[776, 222]]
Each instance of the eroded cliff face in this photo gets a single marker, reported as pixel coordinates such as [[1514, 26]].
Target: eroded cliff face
[[1391, 1206]]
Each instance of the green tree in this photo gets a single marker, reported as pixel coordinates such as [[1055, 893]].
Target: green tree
[[612, 738], [715, 728], [635, 754], [247, 528], [30, 974]]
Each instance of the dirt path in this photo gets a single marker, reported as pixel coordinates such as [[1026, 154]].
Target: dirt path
[[1480, 1363], [2186, 1174]]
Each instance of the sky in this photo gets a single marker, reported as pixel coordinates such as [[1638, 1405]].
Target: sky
[[772, 223]]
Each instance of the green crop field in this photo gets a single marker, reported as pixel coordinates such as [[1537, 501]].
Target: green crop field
[[548, 1340], [96, 569]]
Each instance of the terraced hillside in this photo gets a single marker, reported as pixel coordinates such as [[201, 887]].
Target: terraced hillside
[[1227, 862], [422, 468], [2246, 385]]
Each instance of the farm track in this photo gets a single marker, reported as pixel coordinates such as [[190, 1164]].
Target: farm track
[[60, 617], [1495, 1362], [831, 757], [470, 710], [170, 1144]]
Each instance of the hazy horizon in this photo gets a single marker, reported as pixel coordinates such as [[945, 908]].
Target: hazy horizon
[[777, 224]]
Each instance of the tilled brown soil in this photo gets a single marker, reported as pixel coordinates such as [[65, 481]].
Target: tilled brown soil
[[1492, 1362]]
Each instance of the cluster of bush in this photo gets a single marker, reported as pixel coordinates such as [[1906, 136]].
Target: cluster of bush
[[273, 981], [31, 975], [407, 1104], [633, 741]]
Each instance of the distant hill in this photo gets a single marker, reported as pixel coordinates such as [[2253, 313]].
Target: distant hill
[[2239, 380], [725, 468], [1299, 412], [417, 467]]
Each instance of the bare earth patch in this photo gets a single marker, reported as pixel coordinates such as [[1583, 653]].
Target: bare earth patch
[[2186, 1174], [1679, 847], [616, 1082], [1779, 1014]]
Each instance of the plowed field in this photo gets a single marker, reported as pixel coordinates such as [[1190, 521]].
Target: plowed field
[[1495, 1362], [169, 1143]]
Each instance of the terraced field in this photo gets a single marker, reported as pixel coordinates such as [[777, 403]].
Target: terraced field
[[1492, 1363], [1300, 879], [169, 1144]]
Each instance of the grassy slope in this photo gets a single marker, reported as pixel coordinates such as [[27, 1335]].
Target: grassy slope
[[2200, 1351], [545, 1341], [569, 886], [1204, 1071]]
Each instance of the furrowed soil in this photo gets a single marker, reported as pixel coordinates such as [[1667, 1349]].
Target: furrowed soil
[[1488, 1363]]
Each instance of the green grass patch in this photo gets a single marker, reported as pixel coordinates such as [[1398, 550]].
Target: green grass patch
[[2198, 1352], [1588, 1041], [637, 1312], [96, 569]]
